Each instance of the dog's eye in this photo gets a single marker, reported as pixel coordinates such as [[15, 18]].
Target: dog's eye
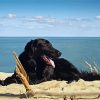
[[48, 45], [39, 45]]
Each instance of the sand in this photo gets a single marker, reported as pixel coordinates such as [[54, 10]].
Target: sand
[[17, 91]]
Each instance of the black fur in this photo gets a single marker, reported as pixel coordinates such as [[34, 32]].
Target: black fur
[[38, 70]]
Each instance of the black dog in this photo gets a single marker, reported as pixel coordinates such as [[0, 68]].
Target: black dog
[[36, 60], [33, 62]]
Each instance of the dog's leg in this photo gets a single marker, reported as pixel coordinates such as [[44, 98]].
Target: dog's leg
[[9, 80]]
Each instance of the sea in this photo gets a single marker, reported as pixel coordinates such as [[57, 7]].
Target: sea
[[77, 50]]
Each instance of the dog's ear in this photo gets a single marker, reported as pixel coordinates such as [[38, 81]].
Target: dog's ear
[[28, 46], [30, 49]]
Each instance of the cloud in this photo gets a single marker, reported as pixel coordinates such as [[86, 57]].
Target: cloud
[[41, 25], [45, 20], [98, 17], [78, 19], [11, 15]]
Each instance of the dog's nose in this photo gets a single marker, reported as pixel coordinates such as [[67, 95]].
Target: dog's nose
[[59, 53]]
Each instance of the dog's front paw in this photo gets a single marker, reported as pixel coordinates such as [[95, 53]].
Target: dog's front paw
[[2, 82]]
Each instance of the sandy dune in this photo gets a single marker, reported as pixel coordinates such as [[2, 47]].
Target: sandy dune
[[17, 91]]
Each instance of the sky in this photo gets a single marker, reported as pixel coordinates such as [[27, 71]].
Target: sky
[[50, 18]]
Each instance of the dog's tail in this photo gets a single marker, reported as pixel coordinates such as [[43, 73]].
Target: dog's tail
[[90, 76]]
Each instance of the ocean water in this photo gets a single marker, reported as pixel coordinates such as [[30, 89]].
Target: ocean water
[[75, 49]]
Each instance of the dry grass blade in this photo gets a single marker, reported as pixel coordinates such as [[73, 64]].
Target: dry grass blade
[[89, 65], [19, 65], [92, 67], [23, 76], [29, 91]]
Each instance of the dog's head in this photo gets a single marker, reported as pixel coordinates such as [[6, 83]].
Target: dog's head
[[38, 47]]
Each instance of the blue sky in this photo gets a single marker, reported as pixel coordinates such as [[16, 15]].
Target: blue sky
[[58, 18]]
